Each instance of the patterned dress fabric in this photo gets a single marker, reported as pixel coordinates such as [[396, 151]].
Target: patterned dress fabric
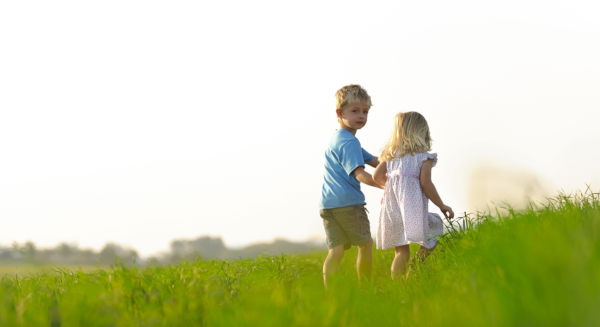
[[404, 216]]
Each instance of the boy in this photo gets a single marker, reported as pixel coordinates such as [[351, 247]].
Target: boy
[[342, 202]]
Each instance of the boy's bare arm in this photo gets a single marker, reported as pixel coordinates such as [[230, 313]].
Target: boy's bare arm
[[430, 190], [380, 174], [364, 177], [373, 163]]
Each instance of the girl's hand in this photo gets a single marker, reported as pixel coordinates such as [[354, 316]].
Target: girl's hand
[[447, 211]]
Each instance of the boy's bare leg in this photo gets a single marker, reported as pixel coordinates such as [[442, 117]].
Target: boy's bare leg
[[402, 254], [364, 260], [332, 262]]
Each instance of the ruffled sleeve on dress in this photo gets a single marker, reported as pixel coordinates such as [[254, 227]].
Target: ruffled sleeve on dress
[[427, 155]]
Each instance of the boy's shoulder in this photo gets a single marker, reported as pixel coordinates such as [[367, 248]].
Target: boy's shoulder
[[342, 136], [344, 143]]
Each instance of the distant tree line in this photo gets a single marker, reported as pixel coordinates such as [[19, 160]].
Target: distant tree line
[[67, 254], [205, 247]]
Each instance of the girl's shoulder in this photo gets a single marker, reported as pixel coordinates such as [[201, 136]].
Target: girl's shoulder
[[412, 159], [427, 154], [422, 156], [418, 156]]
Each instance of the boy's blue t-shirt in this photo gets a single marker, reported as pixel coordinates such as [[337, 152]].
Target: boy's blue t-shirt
[[342, 157]]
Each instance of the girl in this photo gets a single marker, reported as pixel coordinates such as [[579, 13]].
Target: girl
[[405, 170]]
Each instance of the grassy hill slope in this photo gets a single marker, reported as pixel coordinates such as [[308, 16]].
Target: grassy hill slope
[[536, 267]]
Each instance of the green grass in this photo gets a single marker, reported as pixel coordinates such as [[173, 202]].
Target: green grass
[[28, 269], [537, 267]]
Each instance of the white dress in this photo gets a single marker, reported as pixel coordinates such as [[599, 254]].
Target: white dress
[[404, 216]]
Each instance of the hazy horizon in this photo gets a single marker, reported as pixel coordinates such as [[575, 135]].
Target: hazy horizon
[[139, 123]]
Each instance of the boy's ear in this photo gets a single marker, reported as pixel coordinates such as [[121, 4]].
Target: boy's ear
[[338, 112]]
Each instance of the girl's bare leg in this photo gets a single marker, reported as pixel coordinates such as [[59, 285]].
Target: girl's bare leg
[[421, 254], [424, 252], [402, 254]]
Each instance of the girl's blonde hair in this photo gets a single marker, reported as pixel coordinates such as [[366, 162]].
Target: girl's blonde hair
[[411, 135]]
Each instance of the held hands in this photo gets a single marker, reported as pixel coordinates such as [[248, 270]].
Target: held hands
[[447, 211]]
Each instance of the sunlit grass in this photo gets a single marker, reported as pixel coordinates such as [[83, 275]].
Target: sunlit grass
[[536, 267]]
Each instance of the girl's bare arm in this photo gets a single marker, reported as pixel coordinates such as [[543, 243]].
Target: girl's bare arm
[[430, 190]]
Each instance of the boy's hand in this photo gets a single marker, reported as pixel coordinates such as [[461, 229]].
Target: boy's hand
[[447, 211], [379, 175], [365, 177]]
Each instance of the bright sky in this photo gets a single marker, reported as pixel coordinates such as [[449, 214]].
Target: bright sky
[[139, 122]]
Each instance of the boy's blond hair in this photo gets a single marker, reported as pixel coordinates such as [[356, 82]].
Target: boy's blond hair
[[411, 135], [349, 94]]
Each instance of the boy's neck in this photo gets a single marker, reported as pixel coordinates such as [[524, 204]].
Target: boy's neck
[[351, 130]]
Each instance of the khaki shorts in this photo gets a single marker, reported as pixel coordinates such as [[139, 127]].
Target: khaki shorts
[[346, 225]]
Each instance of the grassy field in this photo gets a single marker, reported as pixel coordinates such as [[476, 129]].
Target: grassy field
[[537, 267]]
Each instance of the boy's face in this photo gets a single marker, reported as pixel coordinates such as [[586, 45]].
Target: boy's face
[[353, 116]]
